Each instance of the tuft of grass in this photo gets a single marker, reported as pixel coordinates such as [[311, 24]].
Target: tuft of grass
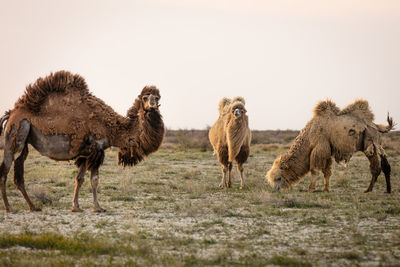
[[122, 198], [287, 261], [293, 203], [55, 242], [350, 255]]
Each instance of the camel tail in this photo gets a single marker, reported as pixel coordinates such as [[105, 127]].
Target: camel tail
[[386, 128], [4, 119]]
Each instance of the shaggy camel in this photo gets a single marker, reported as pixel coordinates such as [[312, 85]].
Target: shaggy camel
[[61, 119], [333, 133], [230, 137]]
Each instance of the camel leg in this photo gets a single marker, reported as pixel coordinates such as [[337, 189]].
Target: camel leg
[[313, 183], [19, 177], [229, 183], [386, 170], [4, 169], [224, 171], [375, 168], [94, 179], [240, 170], [80, 178], [327, 171]]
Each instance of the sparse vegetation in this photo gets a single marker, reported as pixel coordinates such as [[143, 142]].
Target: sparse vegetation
[[169, 211]]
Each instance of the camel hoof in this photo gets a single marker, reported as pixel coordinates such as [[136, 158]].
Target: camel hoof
[[367, 191], [326, 190], [99, 210], [76, 210], [35, 209], [388, 192], [222, 186]]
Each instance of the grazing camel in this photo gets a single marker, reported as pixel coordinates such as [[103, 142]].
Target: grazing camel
[[333, 133], [62, 120], [230, 137]]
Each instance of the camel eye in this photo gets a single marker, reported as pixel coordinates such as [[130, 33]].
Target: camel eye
[[145, 98], [352, 132]]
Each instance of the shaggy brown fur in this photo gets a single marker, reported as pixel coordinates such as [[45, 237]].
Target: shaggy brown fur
[[60, 118], [332, 133], [230, 137]]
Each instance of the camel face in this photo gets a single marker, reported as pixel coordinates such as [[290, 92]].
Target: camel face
[[150, 101], [274, 175], [238, 110]]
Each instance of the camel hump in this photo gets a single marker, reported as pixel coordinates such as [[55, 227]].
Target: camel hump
[[326, 107], [360, 109], [224, 102], [58, 82], [239, 99]]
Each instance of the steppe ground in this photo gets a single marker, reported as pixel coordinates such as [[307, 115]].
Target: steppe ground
[[168, 210]]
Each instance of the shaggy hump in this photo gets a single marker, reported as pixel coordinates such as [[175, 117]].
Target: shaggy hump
[[222, 104], [58, 82], [326, 107], [360, 109]]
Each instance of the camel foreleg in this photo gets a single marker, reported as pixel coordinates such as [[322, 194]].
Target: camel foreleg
[[229, 183], [94, 180], [80, 178], [313, 183], [223, 180], [241, 170], [375, 168], [327, 171]]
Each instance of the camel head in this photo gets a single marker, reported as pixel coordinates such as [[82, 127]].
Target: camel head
[[237, 109], [275, 176], [150, 97]]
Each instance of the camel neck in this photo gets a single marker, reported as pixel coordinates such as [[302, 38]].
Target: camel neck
[[142, 135]]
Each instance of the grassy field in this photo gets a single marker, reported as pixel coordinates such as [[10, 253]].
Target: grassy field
[[169, 210]]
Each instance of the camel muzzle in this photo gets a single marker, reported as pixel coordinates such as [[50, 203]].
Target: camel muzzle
[[237, 112]]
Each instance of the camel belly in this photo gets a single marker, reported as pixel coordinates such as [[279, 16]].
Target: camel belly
[[56, 147]]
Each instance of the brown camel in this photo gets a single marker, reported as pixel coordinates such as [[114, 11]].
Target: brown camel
[[230, 137], [333, 133], [62, 120]]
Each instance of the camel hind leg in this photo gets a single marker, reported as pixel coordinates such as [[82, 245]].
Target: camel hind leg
[[4, 169], [14, 142], [386, 170], [19, 177]]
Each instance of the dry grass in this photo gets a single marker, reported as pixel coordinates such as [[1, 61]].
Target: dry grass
[[169, 210]]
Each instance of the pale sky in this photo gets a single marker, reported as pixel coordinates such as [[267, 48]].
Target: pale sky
[[281, 56]]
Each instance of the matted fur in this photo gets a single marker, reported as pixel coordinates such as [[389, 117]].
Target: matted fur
[[59, 117], [330, 133], [70, 109], [230, 136], [59, 82]]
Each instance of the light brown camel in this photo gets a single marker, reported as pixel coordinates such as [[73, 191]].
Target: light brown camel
[[230, 137], [333, 133], [61, 119]]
